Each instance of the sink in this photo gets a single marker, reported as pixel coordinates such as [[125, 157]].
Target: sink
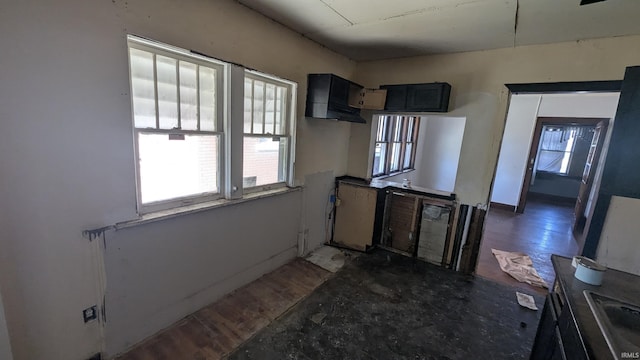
[[619, 322]]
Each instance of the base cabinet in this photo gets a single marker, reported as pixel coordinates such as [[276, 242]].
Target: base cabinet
[[557, 337]]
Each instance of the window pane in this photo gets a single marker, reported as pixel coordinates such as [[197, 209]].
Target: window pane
[[248, 109], [550, 160], [407, 155], [188, 96], [410, 127], [395, 156], [281, 110], [381, 135], [207, 99], [270, 109], [379, 157], [167, 92], [177, 168], [397, 128], [264, 160], [258, 106], [143, 90]]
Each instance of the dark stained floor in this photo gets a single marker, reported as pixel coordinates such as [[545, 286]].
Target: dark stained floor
[[387, 306], [543, 229]]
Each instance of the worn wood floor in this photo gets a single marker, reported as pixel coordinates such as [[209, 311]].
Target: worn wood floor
[[543, 229], [216, 330]]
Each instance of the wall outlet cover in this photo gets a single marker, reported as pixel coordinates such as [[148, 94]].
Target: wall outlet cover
[[90, 313]]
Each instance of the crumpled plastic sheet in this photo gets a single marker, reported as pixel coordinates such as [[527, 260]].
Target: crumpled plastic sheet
[[519, 266]]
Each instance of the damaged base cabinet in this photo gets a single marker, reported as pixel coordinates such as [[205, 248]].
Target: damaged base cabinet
[[355, 221], [408, 221]]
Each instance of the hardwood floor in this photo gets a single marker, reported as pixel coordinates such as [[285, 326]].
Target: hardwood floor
[[216, 330], [543, 229]]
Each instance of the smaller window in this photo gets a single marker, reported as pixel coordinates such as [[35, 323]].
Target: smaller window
[[267, 133], [395, 144]]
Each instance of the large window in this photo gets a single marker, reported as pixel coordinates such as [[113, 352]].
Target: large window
[[557, 144], [395, 144], [181, 126]]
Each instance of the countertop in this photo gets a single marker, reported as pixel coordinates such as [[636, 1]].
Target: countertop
[[390, 185], [615, 284]]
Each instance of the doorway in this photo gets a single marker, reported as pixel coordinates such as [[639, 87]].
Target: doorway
[[562, 160], [530, 164]]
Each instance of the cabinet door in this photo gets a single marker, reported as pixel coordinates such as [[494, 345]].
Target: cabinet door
[[339, 92], [396, 97], [545, 342], [355, 216], [427, 97]]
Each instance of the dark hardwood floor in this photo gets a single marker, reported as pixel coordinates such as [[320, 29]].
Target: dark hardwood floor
[[543, 229]]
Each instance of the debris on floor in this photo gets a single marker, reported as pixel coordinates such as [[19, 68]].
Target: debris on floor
[[526, 301], [519, 266], [318, 317], [328, 258]]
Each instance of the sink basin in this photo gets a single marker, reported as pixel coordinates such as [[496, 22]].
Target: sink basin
[[619, 322]]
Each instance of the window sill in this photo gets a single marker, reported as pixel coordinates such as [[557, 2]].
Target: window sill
[[205, 206], [381, 177]]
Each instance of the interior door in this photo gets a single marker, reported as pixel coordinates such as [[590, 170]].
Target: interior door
[[588, 175]]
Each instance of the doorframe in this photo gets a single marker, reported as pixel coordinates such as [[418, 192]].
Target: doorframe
[[541, 121]]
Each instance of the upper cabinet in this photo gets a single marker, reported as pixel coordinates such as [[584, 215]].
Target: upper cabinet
[[332, 97], [432, 97], [328, 98]]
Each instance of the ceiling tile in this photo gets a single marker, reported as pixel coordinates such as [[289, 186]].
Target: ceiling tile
[[471, 27]]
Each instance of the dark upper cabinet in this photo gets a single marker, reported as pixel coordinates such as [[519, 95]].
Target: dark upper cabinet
[[432, 97], [328, 98]]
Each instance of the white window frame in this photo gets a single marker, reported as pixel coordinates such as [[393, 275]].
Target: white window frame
[[289, 111], [229, 127]]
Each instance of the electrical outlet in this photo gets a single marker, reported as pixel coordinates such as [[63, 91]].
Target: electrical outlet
[[90, 313]]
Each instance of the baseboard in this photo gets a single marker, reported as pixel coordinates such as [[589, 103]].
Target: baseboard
[[500, 206]]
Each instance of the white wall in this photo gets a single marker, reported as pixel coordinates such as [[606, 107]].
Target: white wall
[[518, 134], [618, 247], [66, 164], [5, 345]]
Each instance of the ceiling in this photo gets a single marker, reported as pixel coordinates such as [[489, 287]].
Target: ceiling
[[380, 29]]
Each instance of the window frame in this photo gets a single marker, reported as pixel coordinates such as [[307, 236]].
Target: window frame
[[389, 136], [289, 129], [229, 103]]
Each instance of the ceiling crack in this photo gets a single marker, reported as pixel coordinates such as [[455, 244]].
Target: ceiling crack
[[336, 11], [515, 22]]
